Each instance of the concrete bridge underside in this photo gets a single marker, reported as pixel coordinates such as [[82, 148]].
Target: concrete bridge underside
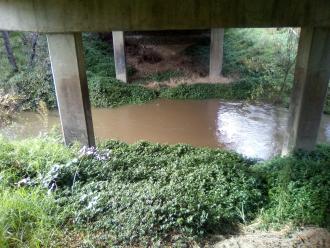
[[64, 20]]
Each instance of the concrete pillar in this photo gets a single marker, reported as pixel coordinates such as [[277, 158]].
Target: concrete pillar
[[216, 52], [119, 54], [67, 60], [311, 81]]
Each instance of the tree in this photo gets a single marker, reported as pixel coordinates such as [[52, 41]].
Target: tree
[[9, 50], [34, 41]]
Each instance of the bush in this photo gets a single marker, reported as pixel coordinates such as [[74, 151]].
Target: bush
[[33, 87], [239, 91], [106, 92], [8, 107], [146, 192], [299, 189]]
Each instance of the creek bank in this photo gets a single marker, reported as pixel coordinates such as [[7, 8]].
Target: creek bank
[[153, 195]]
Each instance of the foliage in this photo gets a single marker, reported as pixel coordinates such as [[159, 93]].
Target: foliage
[[299, 189], [99, 57], [261, 57], [265, 55], [257, 55], [152, 194], [29, 158], [8, 107], [107, 92], [33, 83], [241, 90], [34, 87], [146, 191], [139, 192], [26, 218]]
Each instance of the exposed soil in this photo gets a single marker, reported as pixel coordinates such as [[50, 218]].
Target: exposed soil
[[150, 54], [151, 59], [309, 237]]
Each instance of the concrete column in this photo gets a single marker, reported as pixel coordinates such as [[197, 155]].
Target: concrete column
[[216, 52], [311, 81], [67, 60], [119, 53]]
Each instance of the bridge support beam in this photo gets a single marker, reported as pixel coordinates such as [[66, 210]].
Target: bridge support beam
[[216, 53], [311, 81], [67, 60], [119, 54]]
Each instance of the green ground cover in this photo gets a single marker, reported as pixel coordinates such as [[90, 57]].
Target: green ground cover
[[150, 194]]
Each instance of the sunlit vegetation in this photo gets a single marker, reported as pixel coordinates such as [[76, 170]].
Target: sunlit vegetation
[[149, 194], [9, 104]]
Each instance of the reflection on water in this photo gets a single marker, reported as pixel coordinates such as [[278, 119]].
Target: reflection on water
[[253, 130]]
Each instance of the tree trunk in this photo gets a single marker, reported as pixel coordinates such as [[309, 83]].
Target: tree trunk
[[9, 51], [34, 41]]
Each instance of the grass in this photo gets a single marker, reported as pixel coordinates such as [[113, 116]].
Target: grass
[[299, 189], [150, 194], [26, 218], [29, 158]]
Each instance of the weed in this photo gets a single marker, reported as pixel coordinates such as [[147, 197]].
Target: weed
[[26, 218]]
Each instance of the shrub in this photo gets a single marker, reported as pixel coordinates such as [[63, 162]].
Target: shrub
[[8, 107], [145, 192], [299, 189], [34, 87], [239, 91], [106, 92]]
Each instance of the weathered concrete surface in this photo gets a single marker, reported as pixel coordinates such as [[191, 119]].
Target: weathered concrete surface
[[109, 15], [216, 52], [119, 54], [66, 54], [309, 92]]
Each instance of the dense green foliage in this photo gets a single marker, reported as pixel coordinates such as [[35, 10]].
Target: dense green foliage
[[241, 90], [8, 107], [33, 82], [152, 191], [151, 194], [264, 58], [299, 189]]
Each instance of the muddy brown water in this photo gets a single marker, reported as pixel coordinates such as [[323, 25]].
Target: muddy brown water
[[253, 130]]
